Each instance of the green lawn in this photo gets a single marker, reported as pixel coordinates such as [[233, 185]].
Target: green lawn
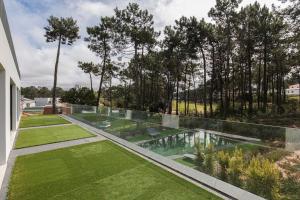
[[41, 120], [200, 107], [39, 136], [99, 170]]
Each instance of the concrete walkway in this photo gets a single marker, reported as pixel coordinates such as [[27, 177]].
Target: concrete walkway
[[54, 125], [53, 146]]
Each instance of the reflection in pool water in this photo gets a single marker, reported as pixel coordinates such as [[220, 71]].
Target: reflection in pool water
[[184, 143]]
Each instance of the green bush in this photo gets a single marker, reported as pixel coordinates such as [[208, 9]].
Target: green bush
[[209, 159], [223, 160], [204, 158], [199, 153], [263, 178], [236, 167]]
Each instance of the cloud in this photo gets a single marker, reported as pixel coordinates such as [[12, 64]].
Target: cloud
[[36, 57]]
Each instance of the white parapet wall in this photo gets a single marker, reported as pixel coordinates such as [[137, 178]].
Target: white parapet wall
[[10, 85]]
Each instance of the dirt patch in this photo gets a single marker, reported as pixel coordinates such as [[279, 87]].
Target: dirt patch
[[290, 165]]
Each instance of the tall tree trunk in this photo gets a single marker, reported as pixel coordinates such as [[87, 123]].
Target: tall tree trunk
[[259, 84], [185, 105], [188, 96], [212, 83], [55, 77], [110, 92], [250, 109], [227, 69], [299, 88], [126, 91], [233, 89], [91, 80], [195, 94], [265, 84], [102, 77], [242, 97], [205, 87], [177, 95]]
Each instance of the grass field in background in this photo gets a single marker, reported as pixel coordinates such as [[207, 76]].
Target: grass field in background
[[200, 107], [99, 170], [41, 120], [39, 136]]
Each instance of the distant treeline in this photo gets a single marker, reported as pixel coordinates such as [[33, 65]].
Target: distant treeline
[[33, 92]]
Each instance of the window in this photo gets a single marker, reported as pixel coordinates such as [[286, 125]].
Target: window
[[11, 108]]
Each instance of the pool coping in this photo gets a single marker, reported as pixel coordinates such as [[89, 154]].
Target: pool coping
[[213, 183]]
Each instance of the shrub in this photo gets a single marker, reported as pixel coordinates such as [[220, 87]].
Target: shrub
[[199, 153], [209, 159], [236, 167], [263, 178], [223, 160]]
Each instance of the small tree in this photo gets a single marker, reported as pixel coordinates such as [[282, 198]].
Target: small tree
[[100, 41], [199, 153], [65, 31], [235, 167], [209, 159], [89, 68], [263, 178], [223, 160]]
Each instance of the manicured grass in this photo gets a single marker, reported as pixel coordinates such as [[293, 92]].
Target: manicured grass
[[41, 120], [39, 136], [200, 107], [99, 170]]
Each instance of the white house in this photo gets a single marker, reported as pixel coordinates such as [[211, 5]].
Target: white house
[[10, 106], [293, 90], [41, 102], [27, 103]]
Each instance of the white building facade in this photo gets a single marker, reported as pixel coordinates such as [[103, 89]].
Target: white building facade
[[41, 102], [10, 85], [27, 103], [293, 90]]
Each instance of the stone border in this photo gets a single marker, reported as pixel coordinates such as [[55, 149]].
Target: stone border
[[204, 179]]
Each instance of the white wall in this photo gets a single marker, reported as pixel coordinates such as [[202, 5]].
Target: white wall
[[41, 102], [9, 75], [292, 92]]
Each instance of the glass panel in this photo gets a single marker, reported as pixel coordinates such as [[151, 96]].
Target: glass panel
[[257, 158]]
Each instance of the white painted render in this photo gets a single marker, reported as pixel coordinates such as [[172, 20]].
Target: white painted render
[[9, 81], [27, 103], [292, 91]]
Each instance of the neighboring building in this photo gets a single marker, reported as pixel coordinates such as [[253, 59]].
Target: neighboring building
[[10, 84], [27, 103], [293, 90], [41, 102]]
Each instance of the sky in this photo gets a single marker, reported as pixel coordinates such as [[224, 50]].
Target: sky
[[36, 58]]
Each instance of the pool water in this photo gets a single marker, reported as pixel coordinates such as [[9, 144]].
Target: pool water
[[184, 143]]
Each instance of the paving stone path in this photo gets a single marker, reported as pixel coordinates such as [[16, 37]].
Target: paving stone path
[[54, 125]]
